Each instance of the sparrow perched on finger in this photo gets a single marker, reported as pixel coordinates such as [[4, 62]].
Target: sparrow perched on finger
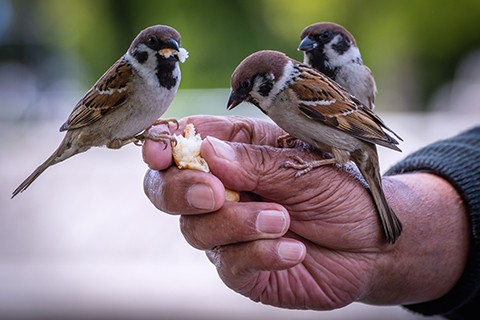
[[127, 100], [332, 50], [311, 107]]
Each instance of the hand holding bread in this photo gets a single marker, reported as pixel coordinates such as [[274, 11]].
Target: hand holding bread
[[186, 154]]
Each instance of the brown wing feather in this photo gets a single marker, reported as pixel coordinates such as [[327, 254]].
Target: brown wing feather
[[325, 101], [108, 94]]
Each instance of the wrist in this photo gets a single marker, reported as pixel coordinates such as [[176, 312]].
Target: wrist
[[431, 253]]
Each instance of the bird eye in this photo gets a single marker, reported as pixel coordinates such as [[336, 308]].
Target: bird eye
[[152, 41], [325, 36], [245, 84]]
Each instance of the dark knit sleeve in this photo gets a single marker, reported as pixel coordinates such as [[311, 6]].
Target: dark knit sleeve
[[458, 161]]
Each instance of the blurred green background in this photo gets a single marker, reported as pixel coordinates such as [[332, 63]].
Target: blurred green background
[[84, 242], [414, 47]]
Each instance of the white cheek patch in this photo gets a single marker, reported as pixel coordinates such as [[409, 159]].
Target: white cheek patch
[[336, 60], [288, 73]]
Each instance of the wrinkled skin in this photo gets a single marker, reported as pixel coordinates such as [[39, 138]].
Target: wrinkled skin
[[326, 252]]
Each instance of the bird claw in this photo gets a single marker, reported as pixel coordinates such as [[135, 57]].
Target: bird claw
[[165, 121], [303, 166], [163, 136]]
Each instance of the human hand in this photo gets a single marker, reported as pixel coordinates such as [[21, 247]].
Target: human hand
[[310, 242]]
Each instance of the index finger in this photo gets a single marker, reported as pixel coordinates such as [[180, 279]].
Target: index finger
[[235, 129], [158, 156]]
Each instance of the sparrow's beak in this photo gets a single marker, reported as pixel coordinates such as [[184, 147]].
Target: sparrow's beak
[[169, 48], [172, 44], [234, 100], [307, 44]]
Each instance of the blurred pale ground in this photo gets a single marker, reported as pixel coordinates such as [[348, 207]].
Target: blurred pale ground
[[84, 242]]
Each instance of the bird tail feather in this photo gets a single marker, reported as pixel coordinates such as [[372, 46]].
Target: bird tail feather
[[64, 151], [392, 226]]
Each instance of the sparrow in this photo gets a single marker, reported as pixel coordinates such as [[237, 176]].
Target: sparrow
[[311, 107], [332, 50], [126, 101]]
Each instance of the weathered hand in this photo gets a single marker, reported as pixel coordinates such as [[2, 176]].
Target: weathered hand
[[310, 242]]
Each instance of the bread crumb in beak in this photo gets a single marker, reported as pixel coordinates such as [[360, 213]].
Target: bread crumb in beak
[[182, 55]]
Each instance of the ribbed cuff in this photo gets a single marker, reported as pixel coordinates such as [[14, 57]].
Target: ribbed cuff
[[457, 160]]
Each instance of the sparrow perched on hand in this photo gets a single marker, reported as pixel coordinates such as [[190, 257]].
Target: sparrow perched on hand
[[332, 50], [126, 101], [313, 108]]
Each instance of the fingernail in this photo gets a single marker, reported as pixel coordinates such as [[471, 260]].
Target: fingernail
[[222, 149], [292, 251], [200, 196], [271, 221]]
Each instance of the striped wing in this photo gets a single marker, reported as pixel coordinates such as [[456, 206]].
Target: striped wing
[[109, 93], [323, 100]]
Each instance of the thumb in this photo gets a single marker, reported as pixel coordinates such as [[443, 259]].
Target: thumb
[[252, 168]]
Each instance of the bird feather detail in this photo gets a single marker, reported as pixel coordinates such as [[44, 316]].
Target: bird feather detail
[[324, 101], [108, 94]]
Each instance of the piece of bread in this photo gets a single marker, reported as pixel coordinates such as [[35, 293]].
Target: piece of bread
[[186, 154], [186, 150]]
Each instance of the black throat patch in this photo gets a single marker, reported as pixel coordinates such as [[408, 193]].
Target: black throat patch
[[319, 62], [164, 71]]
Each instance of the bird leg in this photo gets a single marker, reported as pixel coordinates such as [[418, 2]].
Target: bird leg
[[118, 143], [165, 121], [303, 166], [163, 136]]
